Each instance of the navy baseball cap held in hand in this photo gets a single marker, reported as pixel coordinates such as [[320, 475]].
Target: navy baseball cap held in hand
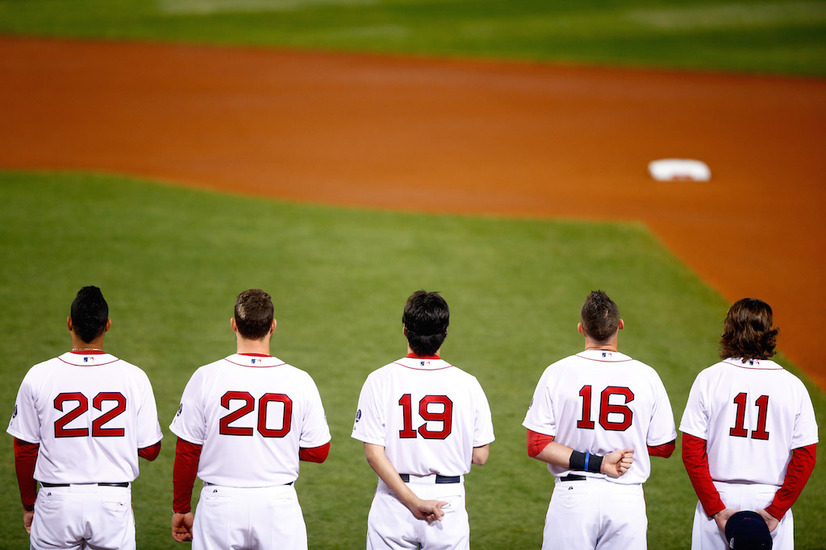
[[747, 530]]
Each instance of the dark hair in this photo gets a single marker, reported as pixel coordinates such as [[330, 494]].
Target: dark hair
[[747, 331], [253, 313], [600, 317], [425, 320], [89, 313]]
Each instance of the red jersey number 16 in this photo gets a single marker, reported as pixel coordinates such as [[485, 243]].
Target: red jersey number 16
[[622, 414]]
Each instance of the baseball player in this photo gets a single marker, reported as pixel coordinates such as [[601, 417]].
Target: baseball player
[[423, 422], [749, 432], [80, 422], [243, 425], [589, 412]]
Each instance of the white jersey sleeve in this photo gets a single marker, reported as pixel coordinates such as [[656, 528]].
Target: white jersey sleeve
[[252, 410], [746, 410], [90, 413], [540, 417], [427, 414], [370, 425], [662, 428]]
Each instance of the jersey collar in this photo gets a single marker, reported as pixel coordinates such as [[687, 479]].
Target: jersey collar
[[417, 362], [255, 360], [412, 355], [604, 356], [755, 364], [87, 358]]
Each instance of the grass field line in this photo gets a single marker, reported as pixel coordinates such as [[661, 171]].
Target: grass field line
[[736, 14], [194, 7]]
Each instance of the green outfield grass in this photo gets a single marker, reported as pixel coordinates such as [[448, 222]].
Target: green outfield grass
[[171, 260], [764, 36]]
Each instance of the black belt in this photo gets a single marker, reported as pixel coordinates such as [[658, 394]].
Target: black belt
[[439, 478], [573, 477], [208, 484], [123, 484]]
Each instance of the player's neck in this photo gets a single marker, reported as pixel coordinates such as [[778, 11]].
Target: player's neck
[[258, 347], [602, 348], [79, 345], [411, 353], [611, 345]]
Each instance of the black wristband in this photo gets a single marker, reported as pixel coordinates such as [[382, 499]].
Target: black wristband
[[29, 508], [577, 461], [595, 464], [585, 462]]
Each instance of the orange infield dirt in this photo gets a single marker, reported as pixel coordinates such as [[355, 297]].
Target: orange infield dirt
[[455, 136]]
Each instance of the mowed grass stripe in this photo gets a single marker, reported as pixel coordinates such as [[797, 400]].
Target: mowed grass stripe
[[171, 260], [747, 36]]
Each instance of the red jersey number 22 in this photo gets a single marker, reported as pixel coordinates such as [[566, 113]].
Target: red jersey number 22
[[99, 428]]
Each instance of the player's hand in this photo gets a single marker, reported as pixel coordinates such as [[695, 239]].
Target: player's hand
[[616, 463], [771, 521], [182, 526], [722, 516], [28, 516], [428, 510]]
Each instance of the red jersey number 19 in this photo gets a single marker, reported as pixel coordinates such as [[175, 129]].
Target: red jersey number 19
[[443, 414]]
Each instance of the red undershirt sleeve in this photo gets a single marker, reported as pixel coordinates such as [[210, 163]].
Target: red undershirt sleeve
[[537, 442], [25, 458], [314, 454], [664, 451], [695, 460], [797, 474], [150, 453], [184, 472]]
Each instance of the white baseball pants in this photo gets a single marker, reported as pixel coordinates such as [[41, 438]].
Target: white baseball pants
[[595, 514], [390, 525], [706, 536], [249, 518], [83, 516]]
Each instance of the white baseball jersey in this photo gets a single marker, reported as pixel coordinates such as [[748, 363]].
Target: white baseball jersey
[[751, 414], [428, 415], [90, 412], [600, 401], [251, 413]]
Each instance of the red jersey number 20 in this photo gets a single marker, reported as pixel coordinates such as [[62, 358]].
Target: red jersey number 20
[[436, 409], [248, 406]]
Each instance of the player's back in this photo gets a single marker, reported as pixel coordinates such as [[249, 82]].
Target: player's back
[[90, 413], [599, 401], [251, 414], [746, 410], [432, 415]]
